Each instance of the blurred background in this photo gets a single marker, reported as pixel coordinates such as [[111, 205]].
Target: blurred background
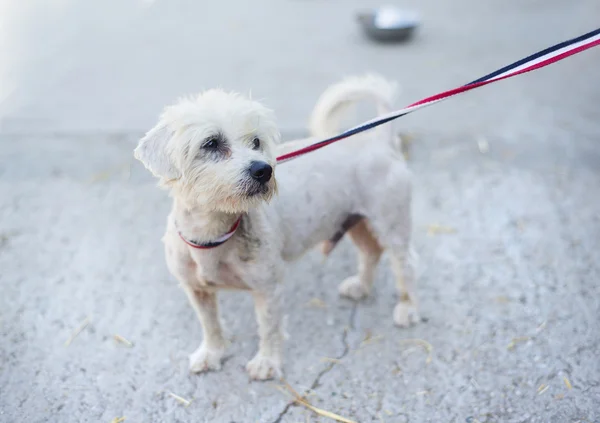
[[507, 215]]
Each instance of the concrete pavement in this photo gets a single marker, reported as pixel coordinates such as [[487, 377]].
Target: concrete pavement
[[508, 239]]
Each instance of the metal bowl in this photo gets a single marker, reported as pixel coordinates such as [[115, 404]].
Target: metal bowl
[[388, 24]]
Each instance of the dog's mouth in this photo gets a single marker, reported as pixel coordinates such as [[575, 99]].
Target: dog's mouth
[[248, 194], [252, 189], [256, 189]]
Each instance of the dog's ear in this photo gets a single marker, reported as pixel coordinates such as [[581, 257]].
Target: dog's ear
[[152, 151]]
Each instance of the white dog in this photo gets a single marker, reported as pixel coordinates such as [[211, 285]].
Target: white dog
[[229, 230]]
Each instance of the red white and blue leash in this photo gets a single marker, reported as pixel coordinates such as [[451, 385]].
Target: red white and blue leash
[[536, 61]]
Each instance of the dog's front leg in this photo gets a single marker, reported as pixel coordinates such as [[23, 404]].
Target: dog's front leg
[[210, 353], [267, 363]]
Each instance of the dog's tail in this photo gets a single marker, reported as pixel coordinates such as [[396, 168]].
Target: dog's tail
[[337, 99]]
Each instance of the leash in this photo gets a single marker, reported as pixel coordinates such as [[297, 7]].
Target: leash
[[533, 62]]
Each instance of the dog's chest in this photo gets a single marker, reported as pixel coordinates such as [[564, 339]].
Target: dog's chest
[[218, 274]]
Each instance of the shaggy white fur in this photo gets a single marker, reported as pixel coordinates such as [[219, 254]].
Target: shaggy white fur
[[206, 150]]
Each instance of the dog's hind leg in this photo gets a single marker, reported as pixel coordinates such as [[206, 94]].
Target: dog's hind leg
[[369, 253], [391, 220], [406, 311], [398, 241]]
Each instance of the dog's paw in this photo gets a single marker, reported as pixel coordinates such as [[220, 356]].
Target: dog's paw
[[205, 359], [263, 367], [352, 288], [406, 314]]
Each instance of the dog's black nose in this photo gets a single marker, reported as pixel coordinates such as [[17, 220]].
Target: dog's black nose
[[261, 171]]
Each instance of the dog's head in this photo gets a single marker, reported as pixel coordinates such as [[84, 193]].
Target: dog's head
[[216, 150]]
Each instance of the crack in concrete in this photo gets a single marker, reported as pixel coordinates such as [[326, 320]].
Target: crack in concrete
[[327, 369]]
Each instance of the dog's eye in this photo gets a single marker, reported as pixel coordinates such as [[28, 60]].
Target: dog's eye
[[256, 143], [211, 143]]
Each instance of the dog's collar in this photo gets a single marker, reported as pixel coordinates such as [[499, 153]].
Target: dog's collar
[[211, 244]]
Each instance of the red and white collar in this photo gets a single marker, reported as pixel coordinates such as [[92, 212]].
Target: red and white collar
[[211, 244]]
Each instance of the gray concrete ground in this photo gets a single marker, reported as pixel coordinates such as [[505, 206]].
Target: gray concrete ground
[[509, 295]]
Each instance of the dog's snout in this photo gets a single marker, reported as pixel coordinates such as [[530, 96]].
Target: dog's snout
[[261, 171]]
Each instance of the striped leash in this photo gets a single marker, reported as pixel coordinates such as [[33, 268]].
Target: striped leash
[[536, 61]]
